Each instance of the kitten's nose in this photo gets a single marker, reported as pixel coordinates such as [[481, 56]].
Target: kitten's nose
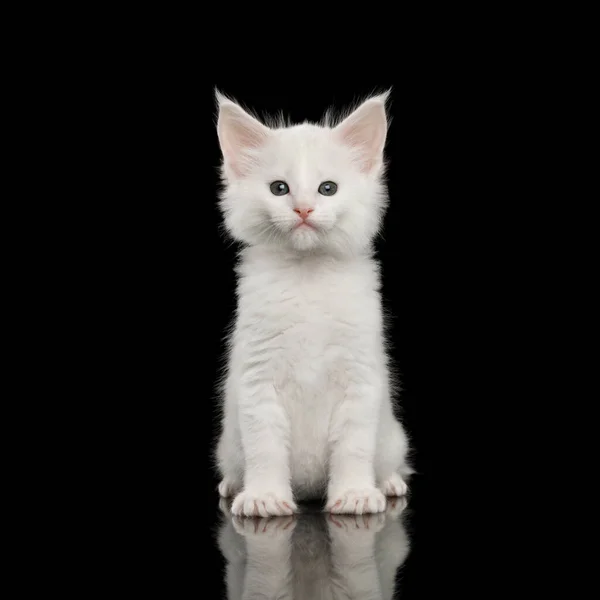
[[303, 212]]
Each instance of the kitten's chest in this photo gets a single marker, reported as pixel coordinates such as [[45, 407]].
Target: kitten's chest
[[307, 317], [307, 325], [306, 331]]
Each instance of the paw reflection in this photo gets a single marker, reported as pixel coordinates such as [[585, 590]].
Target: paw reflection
[[314, 554], [396, 506], [264, 527], [369, 522]]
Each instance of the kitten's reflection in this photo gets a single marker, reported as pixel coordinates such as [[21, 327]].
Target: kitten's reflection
[[314, 556]]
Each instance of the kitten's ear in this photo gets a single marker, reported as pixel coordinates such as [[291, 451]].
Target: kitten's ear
[[365, 131], [238, 132]]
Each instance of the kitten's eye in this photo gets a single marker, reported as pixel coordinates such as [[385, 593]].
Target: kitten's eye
[[328, 188], [280, 188]]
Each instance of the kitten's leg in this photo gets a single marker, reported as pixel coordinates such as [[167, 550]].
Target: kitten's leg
[[390, 461], [352, 439], [265, 432]]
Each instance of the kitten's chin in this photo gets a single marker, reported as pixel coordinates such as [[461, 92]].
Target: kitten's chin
[[304, 238]]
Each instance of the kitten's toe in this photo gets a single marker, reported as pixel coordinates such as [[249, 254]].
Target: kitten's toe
[[357, 502], [267, 504], [394, 485]]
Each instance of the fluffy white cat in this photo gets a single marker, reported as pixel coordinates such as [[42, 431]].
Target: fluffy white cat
[[307, 398]]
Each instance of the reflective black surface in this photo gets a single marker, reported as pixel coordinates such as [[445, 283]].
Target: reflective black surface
[[316, 555]]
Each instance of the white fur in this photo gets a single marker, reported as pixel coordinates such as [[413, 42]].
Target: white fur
[[308, 410]]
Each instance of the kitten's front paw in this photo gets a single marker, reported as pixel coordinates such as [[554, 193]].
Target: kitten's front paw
[[357, 501], [227, 488], [267, 504], [394, 485]]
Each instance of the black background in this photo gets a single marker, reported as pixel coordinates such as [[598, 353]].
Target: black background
[[142, 292]]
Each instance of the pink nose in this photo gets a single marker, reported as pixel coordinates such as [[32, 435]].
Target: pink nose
[[303, 212]]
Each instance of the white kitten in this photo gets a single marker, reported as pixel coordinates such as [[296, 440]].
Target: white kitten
[[308, 410]]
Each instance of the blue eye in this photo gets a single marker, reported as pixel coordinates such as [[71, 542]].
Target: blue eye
[[280, 188], [327, 188]]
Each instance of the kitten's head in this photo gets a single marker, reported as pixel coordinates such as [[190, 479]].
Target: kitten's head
[[305, 187]]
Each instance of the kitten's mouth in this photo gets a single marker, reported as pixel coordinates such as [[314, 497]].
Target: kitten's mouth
[[304, 225]]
